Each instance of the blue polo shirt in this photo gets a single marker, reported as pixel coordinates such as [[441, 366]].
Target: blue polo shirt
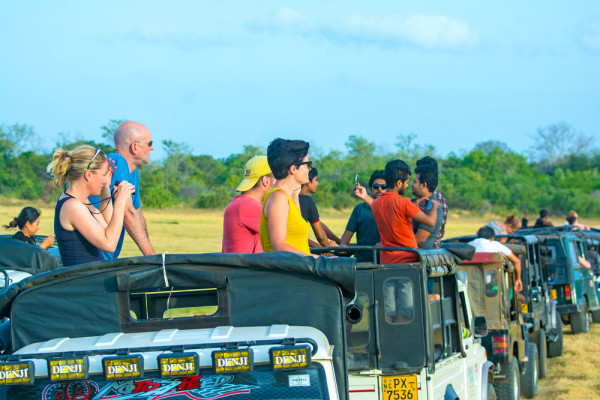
[[120, 174]]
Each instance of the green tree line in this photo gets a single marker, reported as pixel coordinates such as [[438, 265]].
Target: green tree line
[[561, 172]]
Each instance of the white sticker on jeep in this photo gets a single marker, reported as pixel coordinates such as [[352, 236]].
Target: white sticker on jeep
[[299, 380]]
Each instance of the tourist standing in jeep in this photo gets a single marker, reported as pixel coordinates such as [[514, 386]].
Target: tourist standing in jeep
[[361, 220], [241, 220], [394, 214], [282, 227], [424, 186], [485, 243]]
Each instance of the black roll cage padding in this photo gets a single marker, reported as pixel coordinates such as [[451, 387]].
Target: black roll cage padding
[[437, 262]]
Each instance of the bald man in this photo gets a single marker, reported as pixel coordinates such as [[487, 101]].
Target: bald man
[[133, 144]]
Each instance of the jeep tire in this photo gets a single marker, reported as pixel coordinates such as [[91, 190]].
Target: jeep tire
[[555, 348], [596, 315], [529, 380], [539, 338], [509, 387], [580, 321]]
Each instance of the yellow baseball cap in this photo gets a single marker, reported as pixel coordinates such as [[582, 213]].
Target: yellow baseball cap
[[255, 168]]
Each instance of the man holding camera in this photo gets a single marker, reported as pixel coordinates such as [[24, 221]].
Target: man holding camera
[[133, 144]]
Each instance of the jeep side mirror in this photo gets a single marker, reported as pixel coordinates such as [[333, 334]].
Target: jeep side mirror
[[480, 328]]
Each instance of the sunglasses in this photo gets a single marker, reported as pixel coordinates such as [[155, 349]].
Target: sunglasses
[[98, 151], [149, 144], [377, 186], [307, 163]]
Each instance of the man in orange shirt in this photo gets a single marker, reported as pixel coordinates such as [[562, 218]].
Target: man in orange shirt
[[394, 214]]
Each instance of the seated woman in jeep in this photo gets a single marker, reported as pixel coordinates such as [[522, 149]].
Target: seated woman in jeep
[[28, 223]]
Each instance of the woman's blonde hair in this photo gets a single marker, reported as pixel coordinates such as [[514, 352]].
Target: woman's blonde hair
[[70, 165]]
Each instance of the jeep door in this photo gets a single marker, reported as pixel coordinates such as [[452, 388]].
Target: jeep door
[[400, 319], [536, 292], [584, 278]]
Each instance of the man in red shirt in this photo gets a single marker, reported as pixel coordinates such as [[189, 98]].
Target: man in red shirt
[[241, 223], [394, 214]]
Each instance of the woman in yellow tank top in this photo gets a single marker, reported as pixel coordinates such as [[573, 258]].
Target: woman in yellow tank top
[[282, 227]]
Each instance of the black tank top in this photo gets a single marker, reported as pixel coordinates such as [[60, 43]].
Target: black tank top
[[73, 247]]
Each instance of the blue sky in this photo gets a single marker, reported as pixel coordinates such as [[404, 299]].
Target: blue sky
[[222, 74]]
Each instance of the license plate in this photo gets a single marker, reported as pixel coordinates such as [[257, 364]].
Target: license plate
[[399, 387]]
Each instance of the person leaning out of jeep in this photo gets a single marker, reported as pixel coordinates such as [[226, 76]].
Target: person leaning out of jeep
[[485, 244]]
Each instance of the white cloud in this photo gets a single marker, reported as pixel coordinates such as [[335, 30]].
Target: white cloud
[[428, 31], [284, 21], [592, 38], [173, 37], [431, 31]]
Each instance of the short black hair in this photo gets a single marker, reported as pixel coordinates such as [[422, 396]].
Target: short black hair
[[396, 170], [312, 174], [377, 174], [428, 175], [543, 213], [283, 153], [486, 232], [427, 161]]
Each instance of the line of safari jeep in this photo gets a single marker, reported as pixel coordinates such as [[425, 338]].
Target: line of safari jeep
[[277, 325]]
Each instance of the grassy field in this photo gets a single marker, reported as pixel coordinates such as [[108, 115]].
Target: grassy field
[[186, 230], [574, 375], [191, 230]]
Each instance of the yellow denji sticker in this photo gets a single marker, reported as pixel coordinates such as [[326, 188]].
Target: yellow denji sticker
[[399, 387]]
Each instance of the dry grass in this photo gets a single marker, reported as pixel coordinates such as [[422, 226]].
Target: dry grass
[[574, 375], [186, 230], [190, 230]]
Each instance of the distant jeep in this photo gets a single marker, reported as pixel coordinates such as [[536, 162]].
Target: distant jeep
[[490, 286], [572, 285], [538, 309]]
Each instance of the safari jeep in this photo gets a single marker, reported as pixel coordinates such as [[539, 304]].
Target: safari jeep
[[490, 286], [401, 345], [572, 285], [206, 326], [538, 309]]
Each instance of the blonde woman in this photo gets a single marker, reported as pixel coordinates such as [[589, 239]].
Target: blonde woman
[[282, 227], [83, 229]]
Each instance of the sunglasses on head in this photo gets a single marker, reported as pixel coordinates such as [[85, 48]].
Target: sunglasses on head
[[307, 163], [98, 151], [377, 186]]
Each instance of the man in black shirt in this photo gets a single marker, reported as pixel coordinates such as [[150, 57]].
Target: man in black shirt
[[310, 213], [362, 221], [542, 221]]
